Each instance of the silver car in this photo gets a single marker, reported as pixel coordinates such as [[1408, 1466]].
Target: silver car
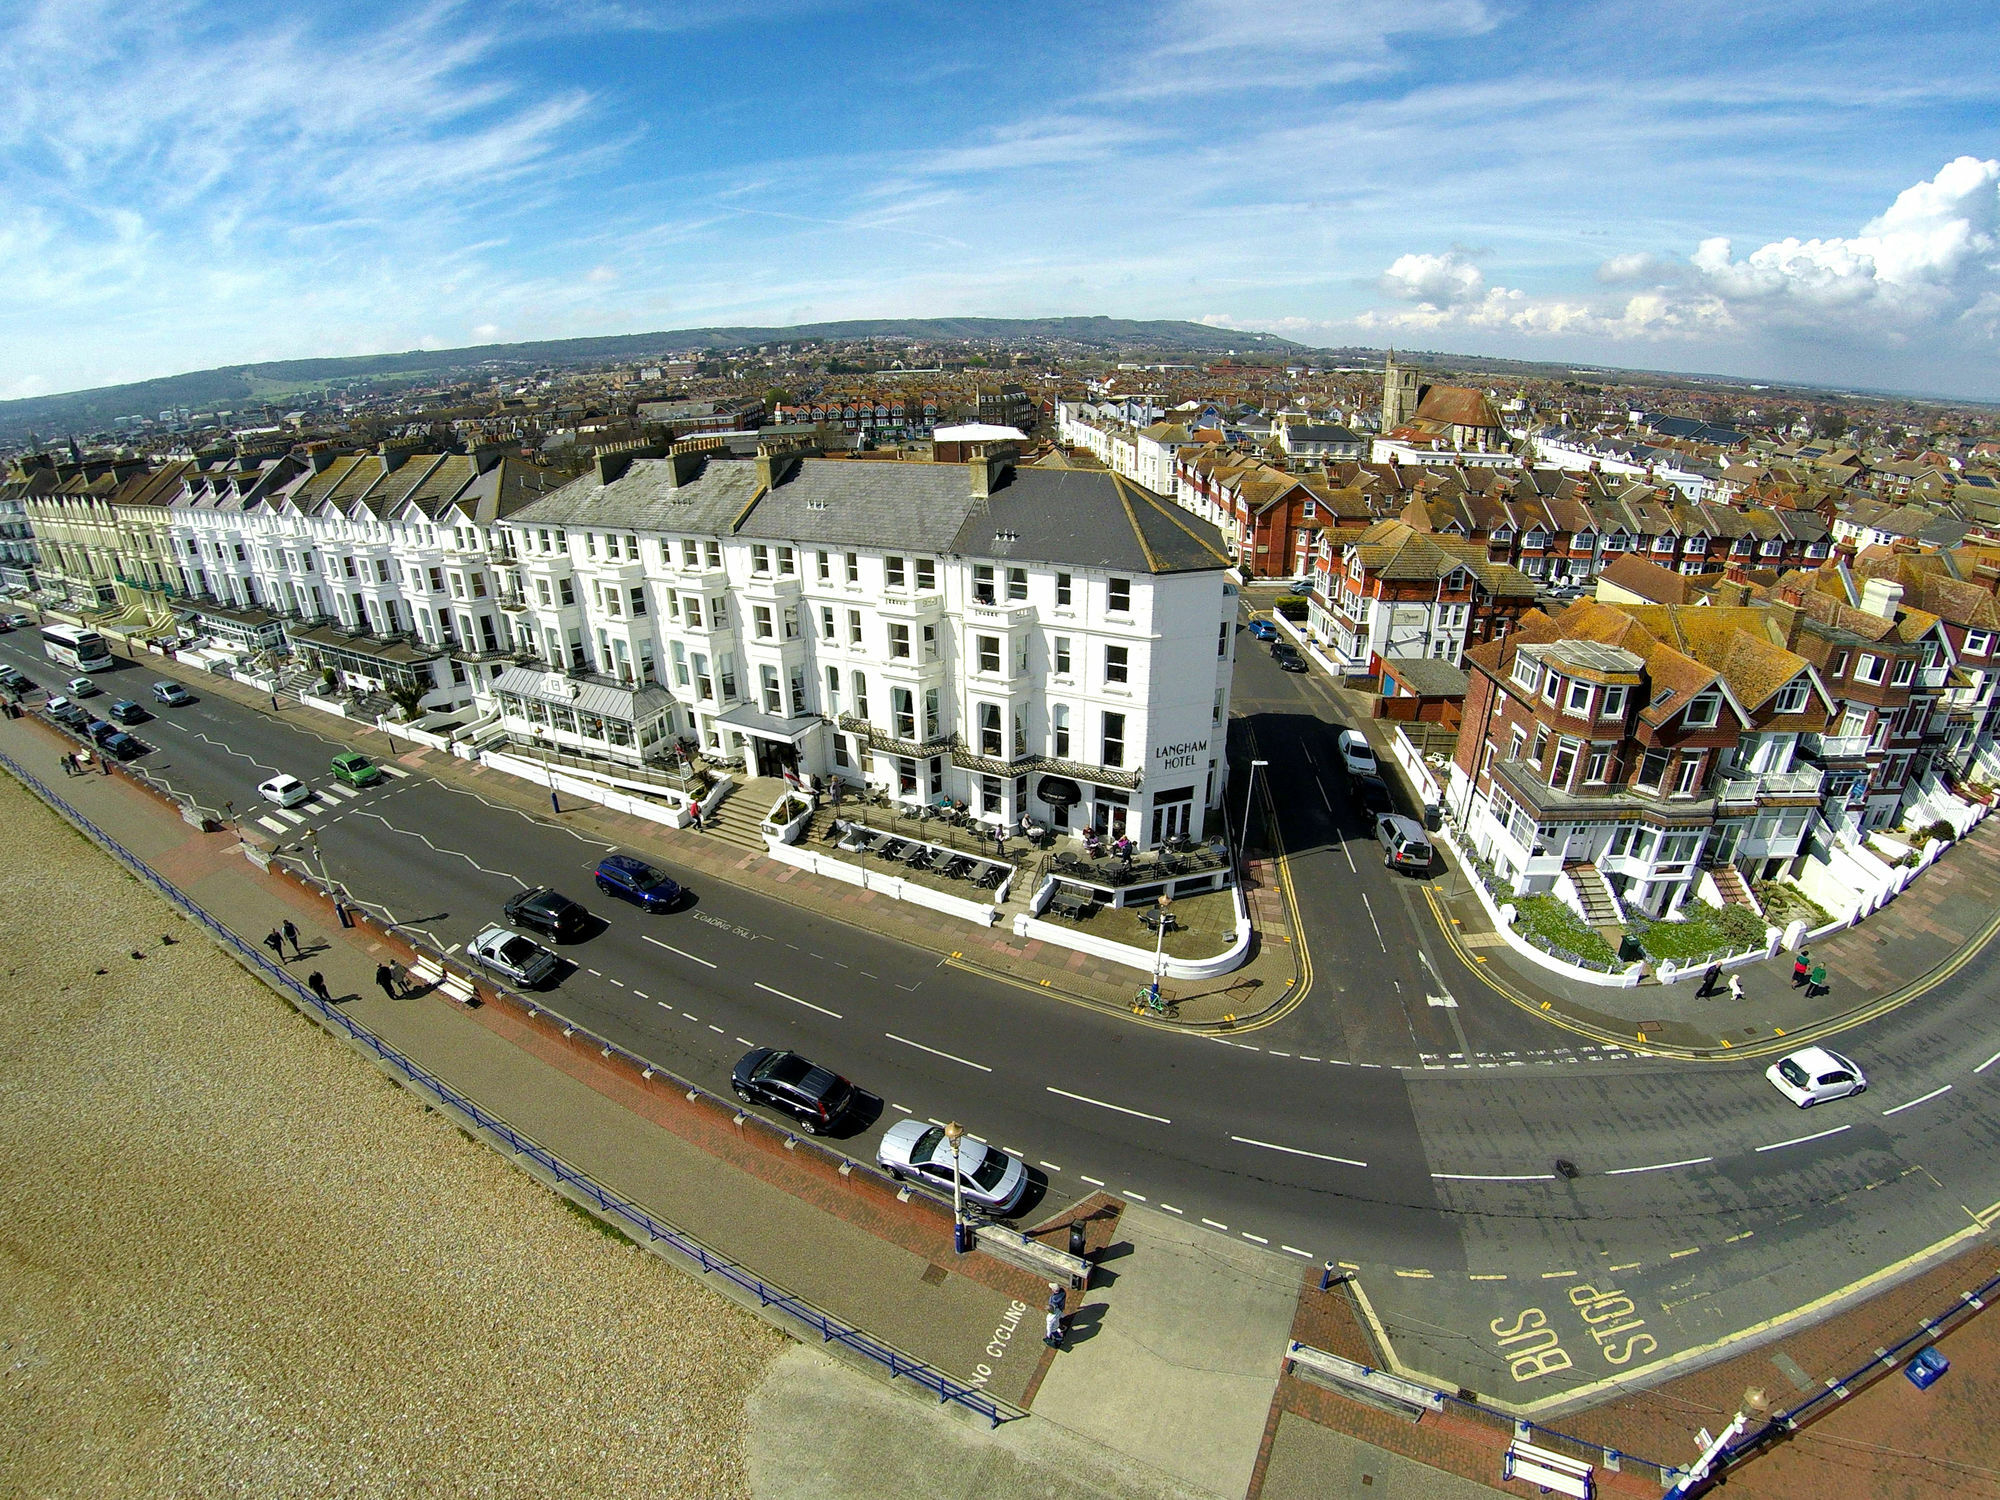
[[989, 1177], [513, 957]]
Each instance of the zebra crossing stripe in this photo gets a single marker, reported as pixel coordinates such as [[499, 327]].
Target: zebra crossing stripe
[[289, 816], [345, 793], [274, 825], [395, 771]]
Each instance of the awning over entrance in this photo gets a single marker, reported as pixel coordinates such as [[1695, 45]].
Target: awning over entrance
[[1059, 791], [747, 720]]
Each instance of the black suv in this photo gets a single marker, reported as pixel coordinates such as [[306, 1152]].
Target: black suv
[[790, 1084], [549, 912]]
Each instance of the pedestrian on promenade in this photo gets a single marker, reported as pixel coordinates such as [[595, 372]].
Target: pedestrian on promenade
[[292, 937], [274, 703], [316, 982], [1708, 982], [1816, 983], [401, 976], [68, 764], [1736, 987], [694, 816], [1052, 1334], [387, 979], [1055, 1297], [275, 941], [1801, 967]]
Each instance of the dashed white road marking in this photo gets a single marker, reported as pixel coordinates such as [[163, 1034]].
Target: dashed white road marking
[[797, 1001], [1345, 1161], [1988, 1063], [947, 1056], [1660, 1166], [682, 951], [1920, 1099], [1295, 1250], [1800, 1140], [1086, 1099], [1493, 1176], [1212, 1224]]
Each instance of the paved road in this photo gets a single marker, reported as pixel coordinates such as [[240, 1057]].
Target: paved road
[[1702, 1198]]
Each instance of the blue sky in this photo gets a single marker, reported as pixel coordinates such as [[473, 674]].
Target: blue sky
[[1767, 189]]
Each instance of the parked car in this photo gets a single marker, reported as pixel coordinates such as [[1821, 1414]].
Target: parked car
[[125, 711], [636, 881], [172, 694], [809, 1094], [1372, 792], [285, 791], [100, 730], [1356, 753], [1292, 663], [987, 1176], [1282, 649], [6, 627], [83, 687], [1263, 630], [17, 681], [19, 621], [1813, 1075], [356, 769], [549, 912], [65, 712], [516, 958], [1403, 842], [124, 746]]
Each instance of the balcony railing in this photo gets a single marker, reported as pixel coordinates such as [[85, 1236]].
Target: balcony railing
[[1835, 746], [1794, 783]]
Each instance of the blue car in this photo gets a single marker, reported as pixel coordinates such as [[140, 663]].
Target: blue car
[[636, 881], [1263, 630]]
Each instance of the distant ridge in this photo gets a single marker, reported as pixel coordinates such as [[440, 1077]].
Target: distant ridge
[[230, 386]]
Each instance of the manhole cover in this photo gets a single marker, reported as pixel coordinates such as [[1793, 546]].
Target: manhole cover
[[934, 1275], [1652, 1025]]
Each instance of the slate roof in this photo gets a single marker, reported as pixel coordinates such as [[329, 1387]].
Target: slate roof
[[1082, 517]]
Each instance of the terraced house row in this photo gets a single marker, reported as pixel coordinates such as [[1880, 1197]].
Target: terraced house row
[[1038, 643]]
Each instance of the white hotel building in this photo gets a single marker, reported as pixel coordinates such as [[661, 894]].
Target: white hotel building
[[1042, 643]]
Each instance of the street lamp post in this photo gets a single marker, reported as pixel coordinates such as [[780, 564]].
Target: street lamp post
[[1160, 945], [961, 1241], [1244, 841]]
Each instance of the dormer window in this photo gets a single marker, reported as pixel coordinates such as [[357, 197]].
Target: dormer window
[[1551, 685], [1614, 703], [1577, 699], [1527, 672], [1791, 698], [1703, 710]]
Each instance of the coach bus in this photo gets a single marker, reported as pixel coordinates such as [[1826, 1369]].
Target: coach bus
[[76, 648]]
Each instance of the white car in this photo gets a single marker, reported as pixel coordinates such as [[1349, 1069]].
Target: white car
[[989, 1177], [83, 687], [1356, 754], [286, 791], [1812, 1075], [512, 956]]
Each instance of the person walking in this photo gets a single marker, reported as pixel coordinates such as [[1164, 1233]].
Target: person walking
[[386, 978], [68, 764], [275, 941], [1052, 1333], [694, 816], [1816, 983], [1801, 967], [1736, 987], [1708, 982], [292, 937], [316, 982]]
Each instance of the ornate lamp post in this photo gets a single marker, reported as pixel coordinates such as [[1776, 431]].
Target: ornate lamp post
[[961, 1237]]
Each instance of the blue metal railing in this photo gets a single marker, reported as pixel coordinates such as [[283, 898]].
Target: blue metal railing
[[1929, 1330], [625, 1212]]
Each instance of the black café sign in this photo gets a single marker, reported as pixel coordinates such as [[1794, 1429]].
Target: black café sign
[[1182, 756]]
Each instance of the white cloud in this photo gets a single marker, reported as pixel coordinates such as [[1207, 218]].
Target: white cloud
[[1445, 279]]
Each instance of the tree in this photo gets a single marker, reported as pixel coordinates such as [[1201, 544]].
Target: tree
[[1829, 424]]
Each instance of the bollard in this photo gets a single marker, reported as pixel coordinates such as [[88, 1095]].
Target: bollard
[[961, 1237], [1328, 1275]]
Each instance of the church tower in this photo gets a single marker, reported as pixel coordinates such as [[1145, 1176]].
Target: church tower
[[1400, 394]]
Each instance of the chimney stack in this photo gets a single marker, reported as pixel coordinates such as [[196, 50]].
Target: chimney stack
[[1881, 596]]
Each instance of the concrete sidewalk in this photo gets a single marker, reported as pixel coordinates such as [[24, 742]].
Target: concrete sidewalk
[[1914, 941]]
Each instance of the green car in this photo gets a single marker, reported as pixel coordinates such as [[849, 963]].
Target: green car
[[356, 769]]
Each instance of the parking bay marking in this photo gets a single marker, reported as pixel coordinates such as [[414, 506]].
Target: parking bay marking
[[947, 1056], [682, 951], [1345, 1161], [796, 1000]]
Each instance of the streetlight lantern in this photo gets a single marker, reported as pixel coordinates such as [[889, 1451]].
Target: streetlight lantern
[[961, 1239], [1243, 843]]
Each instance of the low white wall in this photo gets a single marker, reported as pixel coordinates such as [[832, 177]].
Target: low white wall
[[325, 705], [413, 734], [1305, 643], [1139, 958], [895, 887], [1423, 781], [1502, 919], [604, 793]]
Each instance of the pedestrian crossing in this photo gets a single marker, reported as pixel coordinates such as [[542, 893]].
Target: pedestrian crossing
[[396, 771], [344, 793]]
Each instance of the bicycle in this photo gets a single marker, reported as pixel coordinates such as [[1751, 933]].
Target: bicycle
[[1150, 999]]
